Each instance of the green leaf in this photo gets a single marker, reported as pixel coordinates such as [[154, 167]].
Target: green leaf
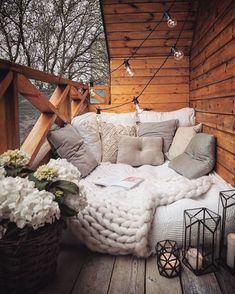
[[66, 211], [65, 186], [13, 172], [40, 185]]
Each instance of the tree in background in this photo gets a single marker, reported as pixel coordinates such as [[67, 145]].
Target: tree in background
[[62, 37]]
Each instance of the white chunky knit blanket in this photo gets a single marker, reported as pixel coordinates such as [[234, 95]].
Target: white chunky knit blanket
[[118, 221]]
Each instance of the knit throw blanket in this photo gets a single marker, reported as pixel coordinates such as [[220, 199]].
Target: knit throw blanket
[[118, 221]]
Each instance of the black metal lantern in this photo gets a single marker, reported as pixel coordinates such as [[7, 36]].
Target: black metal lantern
[[227, 238], [168, 258], [201, 244]]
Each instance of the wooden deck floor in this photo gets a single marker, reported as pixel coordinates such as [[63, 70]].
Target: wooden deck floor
[[81, 271]]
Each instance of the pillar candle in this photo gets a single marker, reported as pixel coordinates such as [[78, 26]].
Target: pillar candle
[[192, 255], [231, 249]]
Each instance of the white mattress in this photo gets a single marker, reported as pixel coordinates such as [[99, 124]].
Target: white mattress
[[168, 220]]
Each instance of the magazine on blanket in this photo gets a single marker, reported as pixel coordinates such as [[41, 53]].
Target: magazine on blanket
[[127, 183]]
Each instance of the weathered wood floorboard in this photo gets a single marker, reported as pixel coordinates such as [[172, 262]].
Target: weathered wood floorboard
[[128, 276], [81, 271], [204, 284], [226, 281], [70, 262], [95, 275], [155, 283]]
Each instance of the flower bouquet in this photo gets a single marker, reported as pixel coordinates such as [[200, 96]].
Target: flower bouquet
[[33, 208]]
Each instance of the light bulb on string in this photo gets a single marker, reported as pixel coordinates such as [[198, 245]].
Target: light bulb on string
[[129, 70], [98, 113], [178, 54], [171, 22], [92, 92], [138, 110]]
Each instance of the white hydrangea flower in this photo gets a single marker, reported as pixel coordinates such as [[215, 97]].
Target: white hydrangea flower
[[66, 170], [23, 204]]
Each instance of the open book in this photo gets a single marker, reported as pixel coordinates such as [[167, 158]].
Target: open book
[[127, 183]]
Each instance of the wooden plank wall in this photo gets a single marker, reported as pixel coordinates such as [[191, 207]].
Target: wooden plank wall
[[168, 91], [212, 78], [127, 23]]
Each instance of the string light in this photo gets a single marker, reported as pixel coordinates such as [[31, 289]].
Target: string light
[[138, 110], [178, 54], [171, 22], [92, 92], [98, 113], [128, 68]]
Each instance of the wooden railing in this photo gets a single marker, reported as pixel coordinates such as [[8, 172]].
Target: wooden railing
[[67, 100]]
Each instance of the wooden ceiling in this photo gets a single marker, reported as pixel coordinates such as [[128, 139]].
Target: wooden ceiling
[[128, 22]]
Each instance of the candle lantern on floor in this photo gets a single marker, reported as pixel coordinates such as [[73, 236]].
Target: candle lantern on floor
[[201, 240], [168, 260], [227, 238]]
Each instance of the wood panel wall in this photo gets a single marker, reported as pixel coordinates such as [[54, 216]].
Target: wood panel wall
[[127, 23], [169, 90], [212, 78]]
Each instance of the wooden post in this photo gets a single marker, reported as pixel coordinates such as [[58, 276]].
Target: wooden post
[[9, 113]]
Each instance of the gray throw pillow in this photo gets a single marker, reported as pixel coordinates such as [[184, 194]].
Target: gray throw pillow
[[138, 151], [68, 143], [164, 129], [198, 158]]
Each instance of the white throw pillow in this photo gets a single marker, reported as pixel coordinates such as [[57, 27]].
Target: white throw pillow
[[118, 118], [86, 125], [110, 134], [181, 140], [186, 116]]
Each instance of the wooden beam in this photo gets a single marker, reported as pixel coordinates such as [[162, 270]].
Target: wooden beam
[[5, 83], [9, 118], [36, 98], [77, 106], [36, 137], [38, 75]]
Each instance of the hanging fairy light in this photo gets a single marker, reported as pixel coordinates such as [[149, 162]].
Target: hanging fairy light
[[138, 110], [171, 22], [129, 70], [178, 54], [92, 92], [98, 113]]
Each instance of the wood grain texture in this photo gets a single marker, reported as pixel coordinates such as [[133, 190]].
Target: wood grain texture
[[212, 79], [128, 275], [205, 284], [128, 23], [95, 275], [155, 283], [9, 114], [226, 281], [169, 90]]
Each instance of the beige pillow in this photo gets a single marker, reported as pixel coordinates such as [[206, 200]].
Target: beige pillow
[[164, 129], [109, 139], [138, 151], [181, 140]]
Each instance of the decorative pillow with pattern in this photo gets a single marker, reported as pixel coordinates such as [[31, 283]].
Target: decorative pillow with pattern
[[109, 139]]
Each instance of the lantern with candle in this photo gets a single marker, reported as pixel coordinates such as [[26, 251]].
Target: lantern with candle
[[168, 260], [227, 238], [200, 242]]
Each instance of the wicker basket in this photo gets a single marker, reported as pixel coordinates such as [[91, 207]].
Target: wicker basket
[[28, 262]]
